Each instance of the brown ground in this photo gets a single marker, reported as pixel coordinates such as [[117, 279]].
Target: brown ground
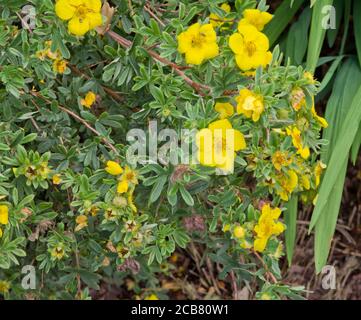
[[346, 249]]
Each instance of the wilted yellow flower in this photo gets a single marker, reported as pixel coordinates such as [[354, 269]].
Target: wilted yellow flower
[[256, 18], [302, 150], [44, 170], [58, 252], [217, 21], [309, 76], [57, 179], [59, 66], [89, 99], [218, 143], [298, 99], [280, 159], [251, 48], [322, 121], [130, 175], [113, 168], [305, 182], [250, 104], [267, 226], [83, 15], [82, 222], [225, 110], [198, 43], [320, 167]]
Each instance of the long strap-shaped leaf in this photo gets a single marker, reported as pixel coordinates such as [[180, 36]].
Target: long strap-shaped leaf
[[282, 17], [338, 108], [339, 155], [290, 217]]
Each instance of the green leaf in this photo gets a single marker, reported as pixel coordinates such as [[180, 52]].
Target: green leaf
[[186, 196], [282, 17], [290, 217], [157, 188], [357, 27]]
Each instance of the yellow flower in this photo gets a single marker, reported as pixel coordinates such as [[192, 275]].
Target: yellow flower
[[225, 110], [226, 227], [59, 66], [305, 182], [1, 233], [4, 214], [113, 168], [218, 143], [320, 167], [122, 186], [266, 296], [44, 170], [4, 286], [267, 226], [280, 160], [82, 222], [129, 178], [322, 121], [89, 99], [302, 150], [57, 179], [239, 232], [83, 15], [152, 297], [198, 43], [58, 252], [130, 175], [94, 210], [215, 20], [288, 183], [256, 18], [251, 48], [309, 76], [250, 104]]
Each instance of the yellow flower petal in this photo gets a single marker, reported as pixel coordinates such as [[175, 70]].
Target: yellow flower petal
[[122, 186], [78, 26], [4, 214], [113, 168], [64, 10]]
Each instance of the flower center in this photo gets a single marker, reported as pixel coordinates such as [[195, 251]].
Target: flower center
[[197, 41], [251, 48], [81, 12]]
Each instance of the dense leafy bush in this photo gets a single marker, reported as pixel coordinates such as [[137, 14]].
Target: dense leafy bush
[[79, 208]]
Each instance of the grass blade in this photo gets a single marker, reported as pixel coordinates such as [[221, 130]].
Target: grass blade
[[282, 17], [357, 27], [290, 217]]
